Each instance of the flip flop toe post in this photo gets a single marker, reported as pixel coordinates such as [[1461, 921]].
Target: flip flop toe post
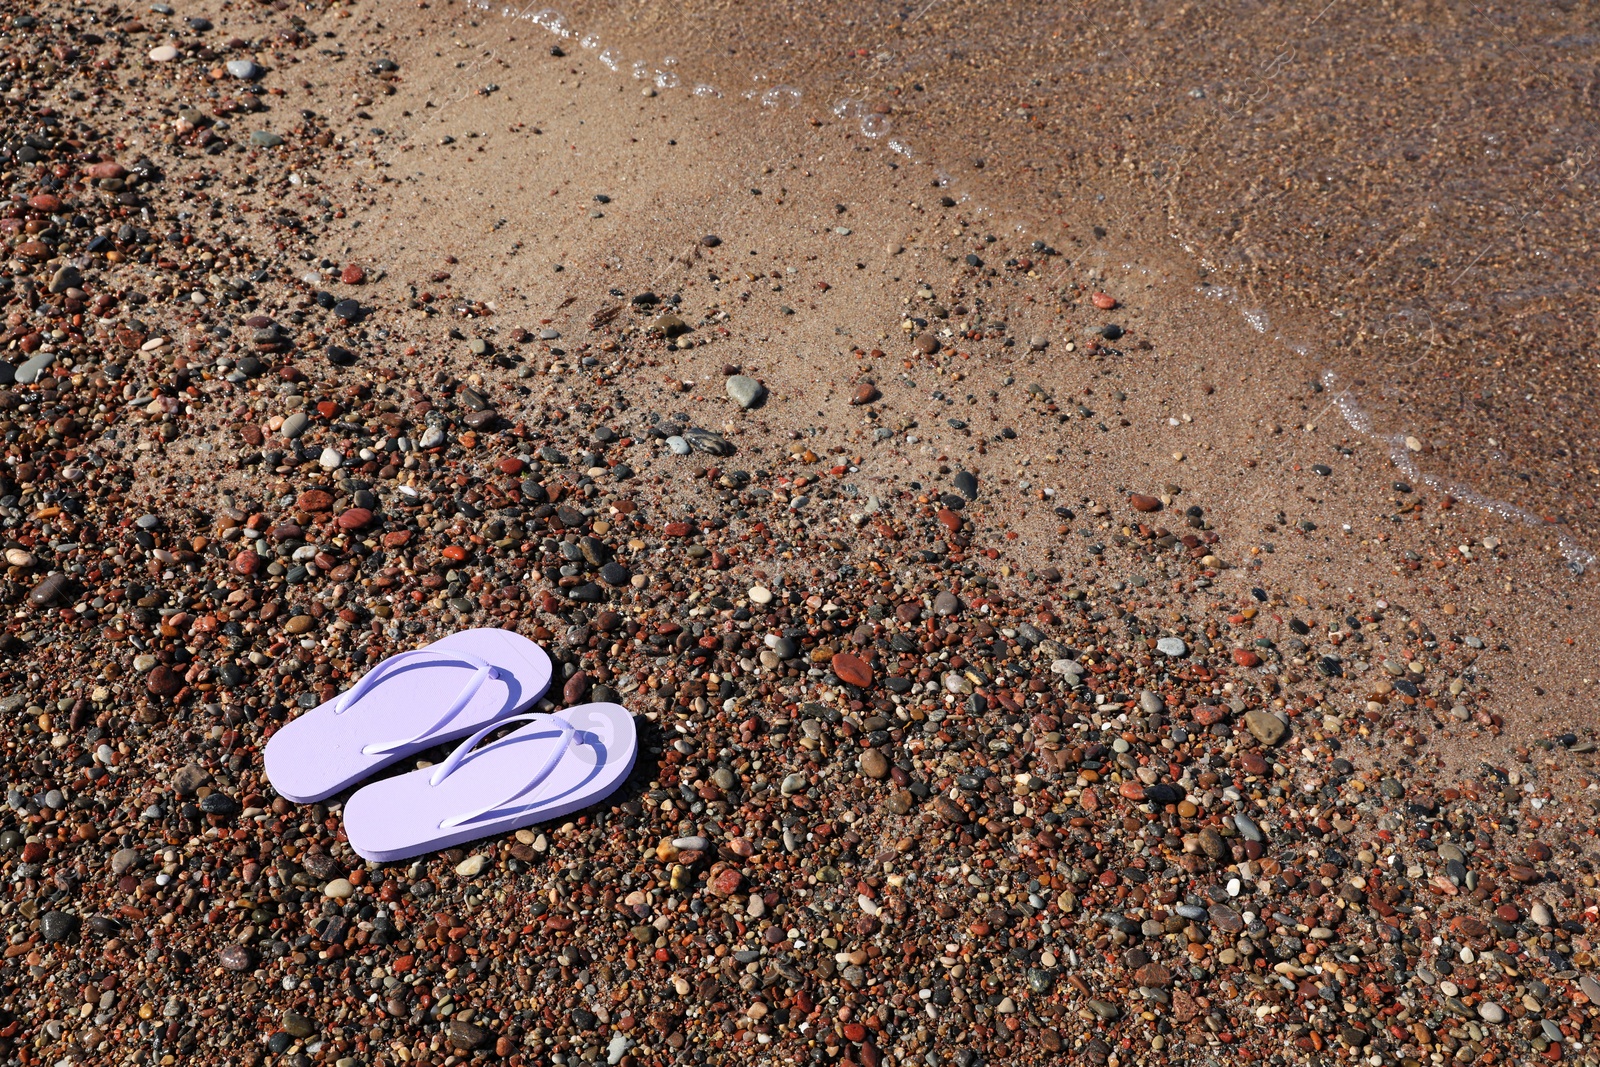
[[411, 701], [553, 765]]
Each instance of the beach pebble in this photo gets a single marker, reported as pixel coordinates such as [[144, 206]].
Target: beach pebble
[[1172, 646], [466, 1036], [56, 926], [851, 670], [48, 591], [236, 958], [746, 391], [1265, 726], [164, 53], [243, 70]]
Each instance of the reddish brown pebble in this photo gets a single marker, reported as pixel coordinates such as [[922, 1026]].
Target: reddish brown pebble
[[1153, 975], [355, 519], [314, 500], [576, 689], [163, 681], [101, 171], [727, 882], [1253, 763], [1141, 502], [866, 393], [676, 529], [1103, 302], [246, 563], [510, 465], [252, 435], [851, 669], [1246, 658], [352, 275]]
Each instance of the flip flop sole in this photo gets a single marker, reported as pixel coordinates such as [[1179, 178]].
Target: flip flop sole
[[321, 752], [402, 816]]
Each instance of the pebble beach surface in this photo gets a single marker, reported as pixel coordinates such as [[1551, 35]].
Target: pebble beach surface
[[1027, 670]]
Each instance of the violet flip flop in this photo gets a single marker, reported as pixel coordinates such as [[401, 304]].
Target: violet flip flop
[[411, 701], [553, 766]]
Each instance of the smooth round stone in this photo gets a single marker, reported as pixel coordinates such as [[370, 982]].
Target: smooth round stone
[[1265, 726], [165, 53], [760, 594], [472, 866], [265, 139], [331, 459], [236, 958], [678, 445], [851, 669], [339, 889], [47, 591], [33, 368], [57, 925], [746, 391], [294, 425], [243, 69], [1172, 646], [354, 519], [874, 764], [1490, 1012], [21, 557]]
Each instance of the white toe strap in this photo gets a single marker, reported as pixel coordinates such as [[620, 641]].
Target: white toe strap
[[483, 672], [563, 729]]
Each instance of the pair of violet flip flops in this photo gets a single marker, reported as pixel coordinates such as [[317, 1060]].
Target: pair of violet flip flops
[[469, 684]]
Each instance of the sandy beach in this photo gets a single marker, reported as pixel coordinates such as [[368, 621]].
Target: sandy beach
[[1060, 627]]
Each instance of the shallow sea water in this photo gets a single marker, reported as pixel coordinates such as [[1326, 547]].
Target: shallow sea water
[[1400, 200]]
